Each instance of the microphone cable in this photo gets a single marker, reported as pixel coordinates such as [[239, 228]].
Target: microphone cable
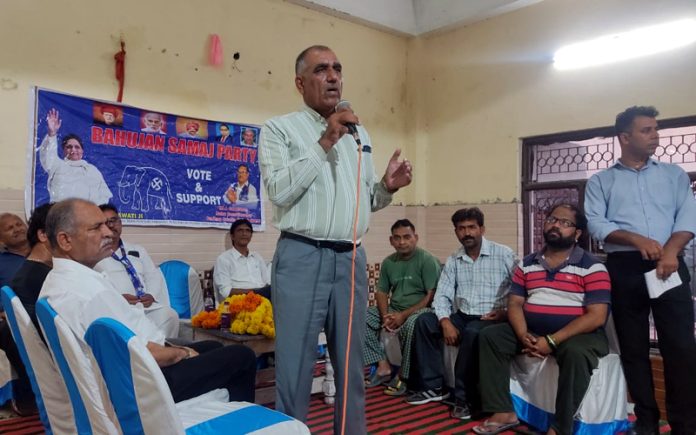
[[352, 286]]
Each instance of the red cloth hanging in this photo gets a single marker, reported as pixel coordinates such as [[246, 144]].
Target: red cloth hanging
[[215, 54], [120, 59]]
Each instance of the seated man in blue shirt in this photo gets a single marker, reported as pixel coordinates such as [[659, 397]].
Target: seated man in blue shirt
[[470, 296]]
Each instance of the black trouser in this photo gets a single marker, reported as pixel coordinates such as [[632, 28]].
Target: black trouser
[[428, 351], [673, 313], [21, 388], [577, 357], [230, 367]]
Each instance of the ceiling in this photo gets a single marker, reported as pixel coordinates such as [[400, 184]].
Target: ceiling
[[414, 17]]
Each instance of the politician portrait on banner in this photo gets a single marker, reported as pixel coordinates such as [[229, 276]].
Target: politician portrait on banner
[[157, 168]]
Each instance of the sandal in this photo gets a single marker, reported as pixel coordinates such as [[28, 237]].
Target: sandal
[[376, 380], [493, 428], [396, 387]]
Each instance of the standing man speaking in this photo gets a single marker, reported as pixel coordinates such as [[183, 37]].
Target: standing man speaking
[[310, 169]]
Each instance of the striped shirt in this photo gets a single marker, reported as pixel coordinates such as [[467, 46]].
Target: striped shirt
[[475, 287], [554, 297], [314, 192]]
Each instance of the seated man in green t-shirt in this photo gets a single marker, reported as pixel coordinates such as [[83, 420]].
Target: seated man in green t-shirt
[[406, 285]]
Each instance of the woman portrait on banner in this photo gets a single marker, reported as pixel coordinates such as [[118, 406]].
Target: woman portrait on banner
[[70, 177]]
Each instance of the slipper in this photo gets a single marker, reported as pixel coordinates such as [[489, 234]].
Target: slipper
[[396, 387], [492, 428], [377, 380]]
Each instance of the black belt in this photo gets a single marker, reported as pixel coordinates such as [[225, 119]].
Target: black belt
[[337, 246]]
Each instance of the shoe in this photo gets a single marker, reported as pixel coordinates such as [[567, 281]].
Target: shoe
[[376, 380], [396, 387], [422, 397], [461, 411], [493, 428]]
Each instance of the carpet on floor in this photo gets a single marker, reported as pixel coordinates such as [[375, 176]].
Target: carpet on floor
[[385, 415]]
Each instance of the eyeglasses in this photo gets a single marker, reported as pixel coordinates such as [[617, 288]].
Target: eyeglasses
[[565, 223], [113, 221]]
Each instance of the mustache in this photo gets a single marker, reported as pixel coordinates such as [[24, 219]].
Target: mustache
[[105, 242]]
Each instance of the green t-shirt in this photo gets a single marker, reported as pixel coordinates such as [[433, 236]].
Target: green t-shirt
[[407, 281]]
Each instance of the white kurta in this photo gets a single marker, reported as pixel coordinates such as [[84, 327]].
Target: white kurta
[[160, 312], [81, 295]]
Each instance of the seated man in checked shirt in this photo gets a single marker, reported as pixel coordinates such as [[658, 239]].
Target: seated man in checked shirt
[[470, 296]]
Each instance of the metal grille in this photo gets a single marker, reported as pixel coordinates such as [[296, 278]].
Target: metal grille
[[542, 201]]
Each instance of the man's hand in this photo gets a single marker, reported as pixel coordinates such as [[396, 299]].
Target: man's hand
[[450, 334], [336, 128], [147, 299], [540, 349], [667, 265], [53, 122], [131, 299], [494, 315], [650, 249], [393, 321], [398, 173], [231, 195]]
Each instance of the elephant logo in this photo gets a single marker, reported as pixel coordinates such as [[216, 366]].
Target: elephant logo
[[142, 187]]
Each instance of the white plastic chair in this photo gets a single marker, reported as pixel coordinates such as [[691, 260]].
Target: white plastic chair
[[5, 378], [81, 375], [55, 412], [144, 404], [184, 286], [604, 410]]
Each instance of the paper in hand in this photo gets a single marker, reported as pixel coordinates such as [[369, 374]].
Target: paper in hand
[[657, 286]]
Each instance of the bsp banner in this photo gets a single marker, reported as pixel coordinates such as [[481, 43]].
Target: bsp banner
[[157, 168]]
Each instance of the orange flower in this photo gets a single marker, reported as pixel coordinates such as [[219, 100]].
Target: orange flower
[[206, 319]]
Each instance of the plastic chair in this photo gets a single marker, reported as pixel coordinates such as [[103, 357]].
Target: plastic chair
[[604, 410], [50, 392], [5, 379], [144, 404], [185, 293], [79, 372]]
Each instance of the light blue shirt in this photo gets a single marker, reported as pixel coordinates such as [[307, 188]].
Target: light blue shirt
[[475, 287], [654, 201]]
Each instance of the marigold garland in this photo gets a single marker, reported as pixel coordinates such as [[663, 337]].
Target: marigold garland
[[206, 319], [251, 314]]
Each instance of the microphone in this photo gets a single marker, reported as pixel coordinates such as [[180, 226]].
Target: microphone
[[352, 129]]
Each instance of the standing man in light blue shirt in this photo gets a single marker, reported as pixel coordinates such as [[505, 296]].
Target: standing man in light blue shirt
[[470, 295], [310, 168], [644, 212]]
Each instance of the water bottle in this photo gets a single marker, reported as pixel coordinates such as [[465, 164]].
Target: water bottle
[[225, 316], [209, 299]]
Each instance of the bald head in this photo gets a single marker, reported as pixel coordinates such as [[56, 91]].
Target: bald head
[[13, 232]]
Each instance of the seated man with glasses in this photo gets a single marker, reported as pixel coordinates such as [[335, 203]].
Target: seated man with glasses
[[131, 270], [558, 304]]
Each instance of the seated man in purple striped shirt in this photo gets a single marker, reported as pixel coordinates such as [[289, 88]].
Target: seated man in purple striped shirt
[[558, 305]]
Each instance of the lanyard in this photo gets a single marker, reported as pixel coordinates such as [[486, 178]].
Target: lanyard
[[139, 289]]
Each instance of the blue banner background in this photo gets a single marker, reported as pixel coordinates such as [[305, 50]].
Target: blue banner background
[[159, 178]]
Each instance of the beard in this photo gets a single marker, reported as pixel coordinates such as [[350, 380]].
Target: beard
[[555, 240]]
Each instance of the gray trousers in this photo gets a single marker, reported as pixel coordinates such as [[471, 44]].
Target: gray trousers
[[310, 290]]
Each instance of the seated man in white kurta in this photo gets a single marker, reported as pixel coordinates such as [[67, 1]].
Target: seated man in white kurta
[[238, 270], [143, 286]]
